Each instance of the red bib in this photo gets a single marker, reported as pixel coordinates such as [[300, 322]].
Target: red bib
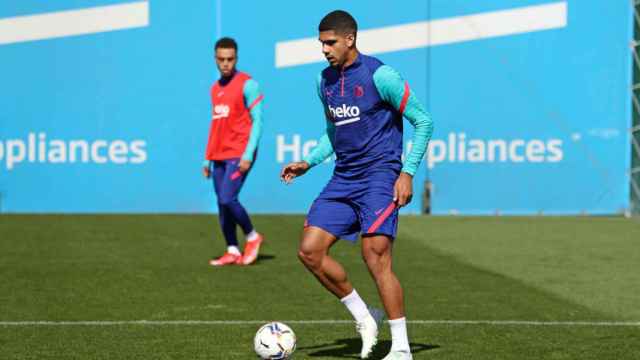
[[230, 122]]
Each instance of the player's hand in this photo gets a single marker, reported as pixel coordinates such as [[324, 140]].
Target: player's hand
[[206, 169], [244, 166], [293, 170], [403, 190]]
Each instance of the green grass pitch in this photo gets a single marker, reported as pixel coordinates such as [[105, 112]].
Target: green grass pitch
[[583, 272]]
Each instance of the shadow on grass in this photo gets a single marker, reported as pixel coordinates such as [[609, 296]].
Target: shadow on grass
[[265, 257], [350, 348]]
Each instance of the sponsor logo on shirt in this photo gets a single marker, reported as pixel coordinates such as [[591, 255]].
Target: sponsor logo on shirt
[[220, 111], [344, 114]]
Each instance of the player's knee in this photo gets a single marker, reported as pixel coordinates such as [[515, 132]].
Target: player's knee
[[226, 201], [309, 255], [370, 257], [311, 260], [377, 261], [371, 253]]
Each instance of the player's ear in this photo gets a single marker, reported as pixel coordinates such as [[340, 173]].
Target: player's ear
[[351, 40]]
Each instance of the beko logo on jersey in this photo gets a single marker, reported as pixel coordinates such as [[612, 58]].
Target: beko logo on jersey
[[344, 111], [221, 111], [345, 114]]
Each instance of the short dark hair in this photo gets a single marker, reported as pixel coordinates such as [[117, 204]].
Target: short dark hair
[[227, 43], [339, 21]]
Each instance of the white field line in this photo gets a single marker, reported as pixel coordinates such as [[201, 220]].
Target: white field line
[[316, 322], [74, 22]]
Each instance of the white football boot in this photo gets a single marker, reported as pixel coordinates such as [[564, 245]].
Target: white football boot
[[368, 330], [399, 355]]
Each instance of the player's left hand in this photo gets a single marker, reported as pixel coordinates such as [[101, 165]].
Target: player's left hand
[[244, 166], [403, 190]]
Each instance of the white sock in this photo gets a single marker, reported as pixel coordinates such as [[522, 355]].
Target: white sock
[[399, 339], [233, 250], [356, 306], [252, 236]]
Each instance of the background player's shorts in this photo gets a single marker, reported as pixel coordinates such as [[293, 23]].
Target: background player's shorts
[[346, 209], [227, 179]]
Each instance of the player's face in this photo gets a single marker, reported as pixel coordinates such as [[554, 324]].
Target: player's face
[[335, 47], [226, 60]]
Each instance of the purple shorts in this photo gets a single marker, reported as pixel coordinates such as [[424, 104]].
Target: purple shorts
[[347, 209]]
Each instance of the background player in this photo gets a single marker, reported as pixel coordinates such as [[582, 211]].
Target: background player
[[364, 102], [236, 126]]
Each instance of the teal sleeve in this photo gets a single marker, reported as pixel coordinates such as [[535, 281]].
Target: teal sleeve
[[324, 149], [395, 91], [253, 100]]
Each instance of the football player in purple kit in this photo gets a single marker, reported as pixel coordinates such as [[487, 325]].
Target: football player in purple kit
[[364, 103]]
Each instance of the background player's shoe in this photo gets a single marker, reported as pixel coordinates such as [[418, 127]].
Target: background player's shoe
[[251, 250], [226, 259], [368, 330], [399, 355]]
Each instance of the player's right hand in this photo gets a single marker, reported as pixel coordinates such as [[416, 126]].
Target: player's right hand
[[293, 170], [206, 169]]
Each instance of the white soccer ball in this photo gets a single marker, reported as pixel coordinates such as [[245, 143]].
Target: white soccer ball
[[274, 340]]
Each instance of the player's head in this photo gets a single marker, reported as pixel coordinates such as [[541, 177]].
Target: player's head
[[338, 31], [226, 56]]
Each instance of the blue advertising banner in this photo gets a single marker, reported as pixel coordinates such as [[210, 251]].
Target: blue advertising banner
[[104, 105]]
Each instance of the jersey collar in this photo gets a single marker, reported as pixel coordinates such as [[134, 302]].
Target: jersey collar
[[225, 81]]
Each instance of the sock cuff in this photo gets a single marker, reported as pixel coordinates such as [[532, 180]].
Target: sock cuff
[[234, 250], [352, 295], [398, 321], [253, 235]]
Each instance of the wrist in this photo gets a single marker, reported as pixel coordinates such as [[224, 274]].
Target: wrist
[[307, 161], [403, 172]]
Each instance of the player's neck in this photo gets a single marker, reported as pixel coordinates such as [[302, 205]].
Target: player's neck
[[224, 80], [351, 58]]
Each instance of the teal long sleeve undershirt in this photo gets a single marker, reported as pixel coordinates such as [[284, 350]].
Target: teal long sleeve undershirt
[[391, 88], [324, 149], [251, 92]]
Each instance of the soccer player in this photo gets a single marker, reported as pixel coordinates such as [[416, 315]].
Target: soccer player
[[236, 126], [364, 103]]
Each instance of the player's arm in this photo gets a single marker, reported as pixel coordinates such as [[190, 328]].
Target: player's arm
[[318, 154], [324, 149], [206, 168], [206, 164], [253, 100], [395, 91]]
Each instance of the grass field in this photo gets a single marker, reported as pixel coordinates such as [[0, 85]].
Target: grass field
[[570, 286]]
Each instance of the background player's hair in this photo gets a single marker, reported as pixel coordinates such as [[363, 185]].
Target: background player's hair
[[227, 43], [339, 21]]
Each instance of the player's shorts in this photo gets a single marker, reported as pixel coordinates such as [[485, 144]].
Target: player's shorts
[[347, 209], [227, 179]]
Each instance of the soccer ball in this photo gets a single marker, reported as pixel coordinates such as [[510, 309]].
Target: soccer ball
[[274, 340]]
